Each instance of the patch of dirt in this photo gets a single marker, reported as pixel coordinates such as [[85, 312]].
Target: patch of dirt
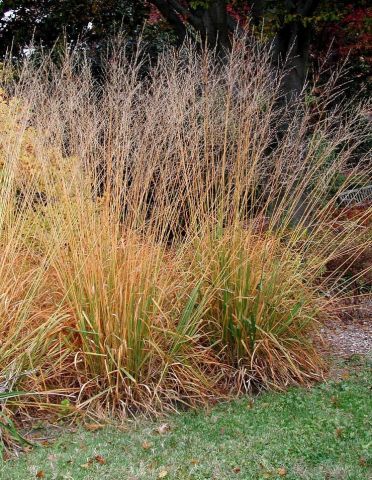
[[350, 332]]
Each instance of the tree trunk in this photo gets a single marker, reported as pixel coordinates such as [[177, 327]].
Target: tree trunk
[[214, 26], [291, 50], [173, 17], [210, 22], [292, 46]]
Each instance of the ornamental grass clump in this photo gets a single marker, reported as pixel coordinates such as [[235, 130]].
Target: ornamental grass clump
[[165, 234], [262, 309]]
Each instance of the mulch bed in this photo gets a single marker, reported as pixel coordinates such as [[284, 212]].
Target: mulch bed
[[349, 332]]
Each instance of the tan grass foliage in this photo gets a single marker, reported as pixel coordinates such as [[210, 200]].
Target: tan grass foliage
[[164, 235]]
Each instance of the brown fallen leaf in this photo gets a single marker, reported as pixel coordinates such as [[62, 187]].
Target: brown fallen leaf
[[146, 445], [362, 462], [194, 461], [282, 471], [163, 474], [100, 459], [236, 469], [40, 474], [339, 432]]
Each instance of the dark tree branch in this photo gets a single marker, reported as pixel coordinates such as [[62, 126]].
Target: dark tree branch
[[211, 22], [172, 17], [186, 13]]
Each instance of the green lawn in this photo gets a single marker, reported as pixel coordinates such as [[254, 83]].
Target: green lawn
[[322, 433]]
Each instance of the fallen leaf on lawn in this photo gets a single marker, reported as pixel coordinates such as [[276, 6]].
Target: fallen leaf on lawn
[[163, 428], [194, 461], [40, 474], [282, 471], [146, 445], [100, 459], [362, 462], [339, 432], [236, 469], [93, 427], [162, 474]]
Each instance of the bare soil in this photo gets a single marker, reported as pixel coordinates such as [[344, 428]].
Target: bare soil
[[350, 331]]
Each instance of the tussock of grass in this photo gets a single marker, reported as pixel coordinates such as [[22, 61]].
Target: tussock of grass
[[164, 238]]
